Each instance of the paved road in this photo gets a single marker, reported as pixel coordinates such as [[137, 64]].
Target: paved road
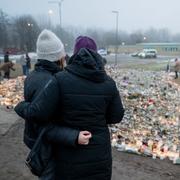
[[7, 119], [128, 59]]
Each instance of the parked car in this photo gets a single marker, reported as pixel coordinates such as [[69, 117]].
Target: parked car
[[135, 54], [148, 53], [102, 52]]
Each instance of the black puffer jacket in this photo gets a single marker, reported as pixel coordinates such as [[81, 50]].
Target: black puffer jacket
[[35, 85], [89, 101]]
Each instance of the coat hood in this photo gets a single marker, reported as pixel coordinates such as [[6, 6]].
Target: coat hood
[[47, 65], [87, 64]]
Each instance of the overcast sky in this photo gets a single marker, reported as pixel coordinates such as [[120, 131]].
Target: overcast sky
[[133, 14]]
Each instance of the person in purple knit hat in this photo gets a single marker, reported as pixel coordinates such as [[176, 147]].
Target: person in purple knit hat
[[88, 43], [91, 101], [84, 42], [87, 99]]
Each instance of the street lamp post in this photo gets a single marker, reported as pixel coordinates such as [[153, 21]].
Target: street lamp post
[[50, 12], [117, 22], [29, 43], [60, 11]]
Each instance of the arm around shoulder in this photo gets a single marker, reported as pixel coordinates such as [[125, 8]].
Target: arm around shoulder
[[43, 106], [64, 135]]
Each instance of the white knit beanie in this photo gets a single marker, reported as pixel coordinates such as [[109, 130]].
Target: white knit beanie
[[49, 46]]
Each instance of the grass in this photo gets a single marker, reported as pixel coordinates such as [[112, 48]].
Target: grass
[[146, 67]]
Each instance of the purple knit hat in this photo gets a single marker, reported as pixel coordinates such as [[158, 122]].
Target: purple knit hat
[[84, 42]]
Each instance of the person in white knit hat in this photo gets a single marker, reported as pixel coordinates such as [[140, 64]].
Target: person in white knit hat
[[50, 54], [50, 47]]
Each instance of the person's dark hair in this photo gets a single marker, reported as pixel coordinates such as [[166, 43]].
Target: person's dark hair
[[59, 63]]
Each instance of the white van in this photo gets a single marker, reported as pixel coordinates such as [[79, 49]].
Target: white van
[[148, 53]]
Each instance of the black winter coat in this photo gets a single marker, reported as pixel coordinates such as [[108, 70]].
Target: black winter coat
[[34, 85], [90, 101]]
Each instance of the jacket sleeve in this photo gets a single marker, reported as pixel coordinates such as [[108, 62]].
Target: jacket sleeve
[[63, 135], [43, 106], [115, 110]]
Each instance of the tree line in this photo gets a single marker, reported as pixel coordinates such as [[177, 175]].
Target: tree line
[[22, 31]]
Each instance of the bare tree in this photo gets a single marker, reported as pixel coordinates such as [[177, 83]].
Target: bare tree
[[136, 37], [27, 30], [164, 35], [43, 21], [3, 29], [176, 38], [22, 32]]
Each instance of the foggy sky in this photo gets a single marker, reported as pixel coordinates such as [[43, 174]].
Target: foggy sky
[[133, 14]]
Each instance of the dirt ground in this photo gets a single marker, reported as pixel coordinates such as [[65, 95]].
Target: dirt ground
[[125, 166], [177, 81]]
